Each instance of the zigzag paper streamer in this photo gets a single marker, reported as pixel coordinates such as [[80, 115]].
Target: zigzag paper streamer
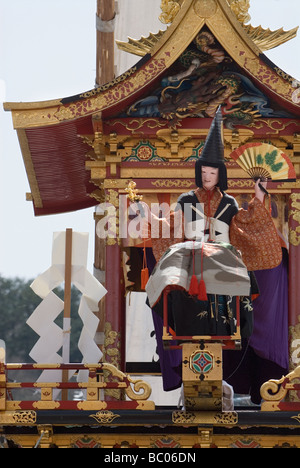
[[52, 337], [86, 344]]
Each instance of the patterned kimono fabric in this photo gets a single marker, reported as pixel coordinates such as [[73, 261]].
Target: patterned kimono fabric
[[207, 217], [213, 217], [265, 355]]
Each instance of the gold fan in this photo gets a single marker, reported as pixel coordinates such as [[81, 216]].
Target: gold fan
[[264, 161]]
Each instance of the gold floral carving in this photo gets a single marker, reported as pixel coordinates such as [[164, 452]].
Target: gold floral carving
[[19, 418], [204, 417], [294, 234], [113, 95], [275, 125], [111, 371], [169, 10], [98, 195], [112, 344], [112, 198], [104, 417], [167, 183], [135, 124], [183, 417], [105, 87], [269, 77], [247, 183], [226, 418], [241, 9], [112, 353], [294, 334]]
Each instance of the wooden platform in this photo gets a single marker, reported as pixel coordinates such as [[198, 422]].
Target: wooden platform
[[161, 428]]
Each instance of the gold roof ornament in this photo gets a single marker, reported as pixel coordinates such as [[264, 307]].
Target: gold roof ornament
[[169, 10], [265, 39], [141, 46], [241, 9]]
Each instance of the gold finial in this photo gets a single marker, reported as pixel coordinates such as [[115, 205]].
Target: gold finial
[[133, 192], [241, 9], [169, 10]]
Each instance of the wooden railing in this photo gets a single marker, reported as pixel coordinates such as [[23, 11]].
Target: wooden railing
[[136, 392]]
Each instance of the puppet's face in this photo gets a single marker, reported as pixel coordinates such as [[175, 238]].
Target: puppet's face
[[210, 177]]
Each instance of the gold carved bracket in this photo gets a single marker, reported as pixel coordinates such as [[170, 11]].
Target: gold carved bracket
[[274, 392], [294, 217]]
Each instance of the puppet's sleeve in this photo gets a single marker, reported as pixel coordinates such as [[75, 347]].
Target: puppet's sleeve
[[254, 234], [166, 232]]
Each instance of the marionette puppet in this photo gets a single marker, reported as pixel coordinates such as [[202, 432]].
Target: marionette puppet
[[215, 234]]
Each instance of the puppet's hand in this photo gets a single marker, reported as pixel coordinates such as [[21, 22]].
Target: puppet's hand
[[259, 193]]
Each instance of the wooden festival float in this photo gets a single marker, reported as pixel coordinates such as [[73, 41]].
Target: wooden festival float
[[142, 129]]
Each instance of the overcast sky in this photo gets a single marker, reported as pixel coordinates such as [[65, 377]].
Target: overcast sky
[[47, 51]]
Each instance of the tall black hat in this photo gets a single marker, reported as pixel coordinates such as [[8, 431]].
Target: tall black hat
[[212, 154]]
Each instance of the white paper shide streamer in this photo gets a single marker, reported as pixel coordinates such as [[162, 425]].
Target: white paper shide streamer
[[52, 337]]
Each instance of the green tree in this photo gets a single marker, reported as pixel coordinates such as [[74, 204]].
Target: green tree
[[17, 302]]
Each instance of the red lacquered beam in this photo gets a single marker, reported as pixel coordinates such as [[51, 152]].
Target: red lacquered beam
[[70, 385], [81, 405], [289, 406], [70, 366]]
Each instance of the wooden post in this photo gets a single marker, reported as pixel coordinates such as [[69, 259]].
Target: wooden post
[[67, 310], [107, 257], [114, 346], [105, 62], [294, 283]]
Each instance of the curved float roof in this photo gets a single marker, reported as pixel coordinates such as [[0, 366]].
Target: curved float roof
[[48, 132]]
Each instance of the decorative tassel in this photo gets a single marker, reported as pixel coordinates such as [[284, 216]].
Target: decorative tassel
[[144, 271], [193, 290], [202, 295], [144, 278]]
